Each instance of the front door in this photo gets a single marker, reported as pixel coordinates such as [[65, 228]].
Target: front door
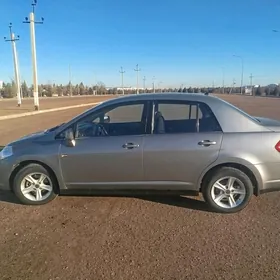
[[189, 141], [102, 162], [109, 149]]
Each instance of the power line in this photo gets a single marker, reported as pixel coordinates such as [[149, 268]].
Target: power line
[[13, 40], [32, 23]]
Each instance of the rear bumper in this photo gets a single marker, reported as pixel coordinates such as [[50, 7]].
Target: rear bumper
[[263, 191], [270, 174]]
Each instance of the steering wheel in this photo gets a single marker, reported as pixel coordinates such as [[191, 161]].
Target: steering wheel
[[101, 131], [92, 130]]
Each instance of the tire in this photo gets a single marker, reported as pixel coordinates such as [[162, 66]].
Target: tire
[[27, 189], [240, 192]]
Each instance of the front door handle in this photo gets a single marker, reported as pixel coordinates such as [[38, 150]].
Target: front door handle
[[130, 146], [207, 143]]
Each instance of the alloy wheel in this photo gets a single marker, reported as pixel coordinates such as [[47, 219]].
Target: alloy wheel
[[36, 186], [228, 192]]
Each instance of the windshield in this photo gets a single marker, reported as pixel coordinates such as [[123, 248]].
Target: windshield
[[53, 128]]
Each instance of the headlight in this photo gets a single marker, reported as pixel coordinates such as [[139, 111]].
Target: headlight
[[6, 152]]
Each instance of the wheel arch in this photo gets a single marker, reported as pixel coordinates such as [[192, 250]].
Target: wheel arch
[[25, 163], [239, 166]]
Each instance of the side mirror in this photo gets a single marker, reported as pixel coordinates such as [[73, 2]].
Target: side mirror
[[69, 138], [106, 119]]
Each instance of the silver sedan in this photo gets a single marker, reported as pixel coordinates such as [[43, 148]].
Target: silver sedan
[[149, 144]]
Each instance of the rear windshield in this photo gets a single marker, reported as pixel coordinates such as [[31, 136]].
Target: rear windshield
[[241, 112]]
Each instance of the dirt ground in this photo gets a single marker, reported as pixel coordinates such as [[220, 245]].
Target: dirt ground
[[9, 106], [137, 238]]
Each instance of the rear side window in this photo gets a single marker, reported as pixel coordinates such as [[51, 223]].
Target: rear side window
[[173, 111], [184, 117]]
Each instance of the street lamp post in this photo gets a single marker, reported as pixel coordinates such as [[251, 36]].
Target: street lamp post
[[242, 71]]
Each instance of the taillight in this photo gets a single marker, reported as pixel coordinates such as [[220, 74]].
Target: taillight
[[277, 147]]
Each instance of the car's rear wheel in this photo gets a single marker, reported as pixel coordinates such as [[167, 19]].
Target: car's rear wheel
[[34, 185], [227, 190]]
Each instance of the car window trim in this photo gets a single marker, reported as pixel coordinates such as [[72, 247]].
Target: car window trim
[[145, 112], [186, 102]]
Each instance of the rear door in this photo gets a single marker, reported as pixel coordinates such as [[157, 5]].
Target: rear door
[[192, 140]]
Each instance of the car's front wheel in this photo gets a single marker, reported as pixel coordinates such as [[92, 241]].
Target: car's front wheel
[[34, 185], [228, 190]]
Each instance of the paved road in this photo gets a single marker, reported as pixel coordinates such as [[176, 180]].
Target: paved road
[[136, 238]]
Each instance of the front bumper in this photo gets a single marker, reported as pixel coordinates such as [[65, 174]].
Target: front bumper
[[6, 169]]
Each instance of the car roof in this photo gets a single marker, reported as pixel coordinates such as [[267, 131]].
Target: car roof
[[230, 118], [162, 96]]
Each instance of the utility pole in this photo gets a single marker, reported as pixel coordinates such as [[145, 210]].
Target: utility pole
[[70, 80], [159, 85], [233, 85], [242, 72], [144, 83], [223, 80], [251, 80], [122, 72], [137, 70], [13, 40], [154, 89], [32, 22], [251, 83]]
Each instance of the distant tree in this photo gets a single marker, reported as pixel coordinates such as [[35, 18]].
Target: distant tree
[[9, 90], [81, 89], [90, 91], [49, 91], [24, 89], [40, 90], [59, 90], [260, 91], [54, 89], [276, 91], [101, 88], [76, 90], [267, 91]]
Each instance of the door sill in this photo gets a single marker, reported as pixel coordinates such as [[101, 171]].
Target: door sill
[[126, 193]]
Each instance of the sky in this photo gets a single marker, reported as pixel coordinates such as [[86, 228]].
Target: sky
[[179, 42]]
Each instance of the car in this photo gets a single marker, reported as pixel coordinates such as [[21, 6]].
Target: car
[[151, 144]]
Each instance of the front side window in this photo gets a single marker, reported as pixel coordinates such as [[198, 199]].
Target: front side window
[[124, 119], [184, 117]]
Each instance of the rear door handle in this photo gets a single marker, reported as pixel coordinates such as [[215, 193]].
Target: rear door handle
[[207, 143], [130, 146]]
